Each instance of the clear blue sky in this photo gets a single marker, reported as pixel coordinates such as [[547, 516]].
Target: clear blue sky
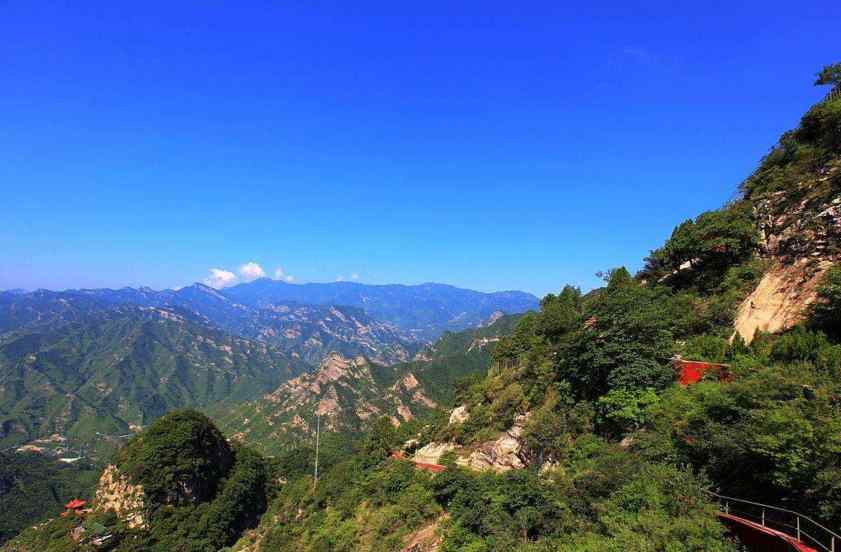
[[491, 145]]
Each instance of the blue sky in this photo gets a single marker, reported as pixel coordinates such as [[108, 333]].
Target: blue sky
[[490, 145]]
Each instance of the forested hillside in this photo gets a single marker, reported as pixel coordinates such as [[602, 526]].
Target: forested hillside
[[117, 370]]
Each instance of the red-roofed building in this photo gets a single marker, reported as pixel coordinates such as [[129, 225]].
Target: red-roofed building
[[75, 504]]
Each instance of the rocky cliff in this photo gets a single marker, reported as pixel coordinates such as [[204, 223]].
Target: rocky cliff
[[800, 229], [345, 393]]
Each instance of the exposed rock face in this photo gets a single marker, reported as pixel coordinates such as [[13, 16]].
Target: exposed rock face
[[425, 539], [432, 453], [459, 415], [810, 229], [781, 300], [504, 454], [495, 315], [801, 233], [346, 393], [117, 494], [482, 342]]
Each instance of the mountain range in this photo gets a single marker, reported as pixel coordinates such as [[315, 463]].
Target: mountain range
[[85, 363], [116, 370]]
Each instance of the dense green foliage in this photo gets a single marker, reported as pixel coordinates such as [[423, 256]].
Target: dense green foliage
[[826, 311], [604, 500], [34, 487], [124, 366], [773, 434], [179, 459], [700, 251], [199, 493]]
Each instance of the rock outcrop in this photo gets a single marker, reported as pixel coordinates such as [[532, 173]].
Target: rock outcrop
[[432, 453], [426, 539], [800, 233], [117, 494], [782, 298], [504, 454], [347, 395], [459, 415]]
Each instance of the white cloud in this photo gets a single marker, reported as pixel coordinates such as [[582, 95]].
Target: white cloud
[[340, 278], [251, 271], [354, 276], [220, 278], [279, 274]]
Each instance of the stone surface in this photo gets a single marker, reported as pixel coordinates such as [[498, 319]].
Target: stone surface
[[781, 300], [504, 454], [115, 493], [431, 453], [459, 415]]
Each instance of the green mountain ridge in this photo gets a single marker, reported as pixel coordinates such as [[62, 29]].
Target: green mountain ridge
[[306, 331], [121, 368]]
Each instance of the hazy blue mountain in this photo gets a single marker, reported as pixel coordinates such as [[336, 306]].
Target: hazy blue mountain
[[307, 332], [425, 311]]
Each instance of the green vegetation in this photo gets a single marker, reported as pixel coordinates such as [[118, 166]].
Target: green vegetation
[[200, 494], [121, 367], [831, 74], [700, 251], [826, 311], [602, 500], [179, 459], [34, 487]]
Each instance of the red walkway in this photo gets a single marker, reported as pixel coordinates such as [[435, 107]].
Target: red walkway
[[760, 538]]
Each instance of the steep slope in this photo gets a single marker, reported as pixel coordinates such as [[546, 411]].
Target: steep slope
[[347, 394], [425, 311], [798, 210], [796, 194], [123, 367], [350, 393]]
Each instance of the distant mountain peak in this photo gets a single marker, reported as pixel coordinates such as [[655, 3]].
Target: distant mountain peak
[[423, 311]]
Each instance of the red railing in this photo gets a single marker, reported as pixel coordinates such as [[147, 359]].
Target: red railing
[[763, 525]]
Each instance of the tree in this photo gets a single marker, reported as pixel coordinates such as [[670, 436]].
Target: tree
[[829, 75], [622, 410], [559, 314], [380, 441], [826, 311], [700, 251], [627, 341]]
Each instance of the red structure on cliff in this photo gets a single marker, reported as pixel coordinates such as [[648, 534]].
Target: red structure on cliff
[[691, 371]]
